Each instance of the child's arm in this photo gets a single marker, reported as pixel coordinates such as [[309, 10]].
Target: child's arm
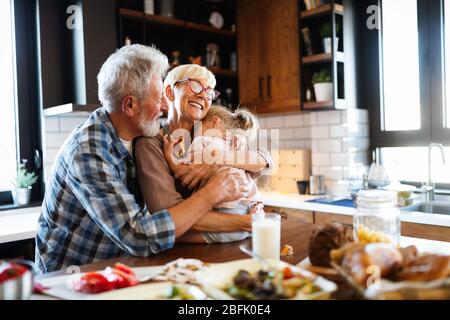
[[191, 237]]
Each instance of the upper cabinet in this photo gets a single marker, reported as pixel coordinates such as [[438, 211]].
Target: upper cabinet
[[75, 38], [268, 50]]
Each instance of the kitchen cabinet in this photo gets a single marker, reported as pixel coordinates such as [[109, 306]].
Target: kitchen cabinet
[[268, 51], [425, 231], [292, 214]]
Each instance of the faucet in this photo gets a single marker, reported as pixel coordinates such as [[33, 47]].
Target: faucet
[[428, 188]]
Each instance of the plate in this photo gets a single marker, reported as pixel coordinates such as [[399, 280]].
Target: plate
[[58, 286], [151, 291], [215, 278]]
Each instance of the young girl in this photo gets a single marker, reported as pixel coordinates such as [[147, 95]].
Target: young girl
[[222, 131]]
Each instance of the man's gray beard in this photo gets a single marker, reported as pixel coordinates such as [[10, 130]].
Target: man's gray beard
[[149, 128]]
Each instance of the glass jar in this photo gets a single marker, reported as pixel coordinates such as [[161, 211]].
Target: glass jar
[[377, 217]]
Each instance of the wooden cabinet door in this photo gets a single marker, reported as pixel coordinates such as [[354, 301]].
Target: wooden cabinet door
[[282, 56], [325, 217], [425, 231], [250, 29]]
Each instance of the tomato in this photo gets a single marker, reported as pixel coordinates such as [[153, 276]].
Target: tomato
[[11, 271], [93, 282], [125, 279], [287, 273], [124, 268]]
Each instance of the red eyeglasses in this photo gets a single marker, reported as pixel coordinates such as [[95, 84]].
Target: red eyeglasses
[[196, 87]]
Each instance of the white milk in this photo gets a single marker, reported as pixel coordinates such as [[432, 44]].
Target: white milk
[[266, 236]]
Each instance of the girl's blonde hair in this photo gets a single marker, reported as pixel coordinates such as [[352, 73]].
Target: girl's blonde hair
[[193, 71], [241, 119]]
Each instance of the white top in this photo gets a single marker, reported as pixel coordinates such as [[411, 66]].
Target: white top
[[297, 201], [128, 145], [18, 224]]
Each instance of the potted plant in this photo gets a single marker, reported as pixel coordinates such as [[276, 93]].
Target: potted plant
[[326, 32], [23, 183], [323, 87]]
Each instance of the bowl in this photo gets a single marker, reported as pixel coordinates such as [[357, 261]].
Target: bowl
[[19, 287]]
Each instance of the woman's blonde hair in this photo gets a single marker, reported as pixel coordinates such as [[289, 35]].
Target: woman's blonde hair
[[241, 119], [193, 71]]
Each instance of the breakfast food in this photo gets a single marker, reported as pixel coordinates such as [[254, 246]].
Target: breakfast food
[[117, 277], [357, 258], [326, 238], [287, 251], [270, 285], [366, 235], [425, 268], [180, 270]]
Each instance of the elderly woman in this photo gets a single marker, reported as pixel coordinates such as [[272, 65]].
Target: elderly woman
[[190, 92]]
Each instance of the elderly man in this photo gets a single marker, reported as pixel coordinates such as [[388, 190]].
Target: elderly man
[[92, 208]]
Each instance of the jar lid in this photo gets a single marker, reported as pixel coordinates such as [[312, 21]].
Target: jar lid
[[376, 197]]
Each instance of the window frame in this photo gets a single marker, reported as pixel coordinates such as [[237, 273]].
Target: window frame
[[28, 108]]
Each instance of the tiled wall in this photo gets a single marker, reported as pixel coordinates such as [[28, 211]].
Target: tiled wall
[[338, 140], [56, 130]]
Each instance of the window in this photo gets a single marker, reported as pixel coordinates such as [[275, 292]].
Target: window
[[408, 92], [400, 56], [8, 143]]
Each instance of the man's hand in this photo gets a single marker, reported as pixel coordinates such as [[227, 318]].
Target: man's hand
[[227, 186], [191, 175]]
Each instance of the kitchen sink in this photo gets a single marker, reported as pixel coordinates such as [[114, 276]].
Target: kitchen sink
[[438, 207]]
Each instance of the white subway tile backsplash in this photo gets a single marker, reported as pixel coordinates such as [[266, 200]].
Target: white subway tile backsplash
[[340, 159], [339, 131], [51, 124], [274, 122], [314, 145], [315, 170], [296, 120], [294, 144], [55, 140], [262, 122], [50, 155], [330, 145], [286, 133], [329, 117], [320, 159], [302, 133], [310, 119], [318, 132], [353, 115], [331, 173], [69, 123]]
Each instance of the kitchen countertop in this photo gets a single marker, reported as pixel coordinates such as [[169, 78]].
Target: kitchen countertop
[[18, 224], [297, 201], [21, 224]]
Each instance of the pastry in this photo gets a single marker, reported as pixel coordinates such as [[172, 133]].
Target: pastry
[[326, 238]]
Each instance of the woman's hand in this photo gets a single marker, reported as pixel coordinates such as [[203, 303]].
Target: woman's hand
[[226, 185]]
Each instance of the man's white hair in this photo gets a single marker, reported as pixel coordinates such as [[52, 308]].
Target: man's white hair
[[193, 71], [128, 71]]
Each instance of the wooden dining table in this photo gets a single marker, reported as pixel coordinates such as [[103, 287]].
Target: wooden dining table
[[294, 232]]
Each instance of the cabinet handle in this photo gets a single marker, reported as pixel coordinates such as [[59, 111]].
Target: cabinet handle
[[269, 89], [260, 82]]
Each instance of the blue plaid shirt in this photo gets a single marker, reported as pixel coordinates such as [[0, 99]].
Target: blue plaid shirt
[[92, 208]]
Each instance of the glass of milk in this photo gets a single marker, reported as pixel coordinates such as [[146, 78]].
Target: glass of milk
[[266, 232]]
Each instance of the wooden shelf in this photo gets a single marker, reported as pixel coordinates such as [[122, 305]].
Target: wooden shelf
[[340, 104], [167, 21], [318, 105], [153, 18], [223, 72], [323, 57], [131, 13], [321, 10], [205, 28]]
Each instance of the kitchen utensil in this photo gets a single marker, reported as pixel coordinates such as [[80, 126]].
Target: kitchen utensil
[[317, 184]]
